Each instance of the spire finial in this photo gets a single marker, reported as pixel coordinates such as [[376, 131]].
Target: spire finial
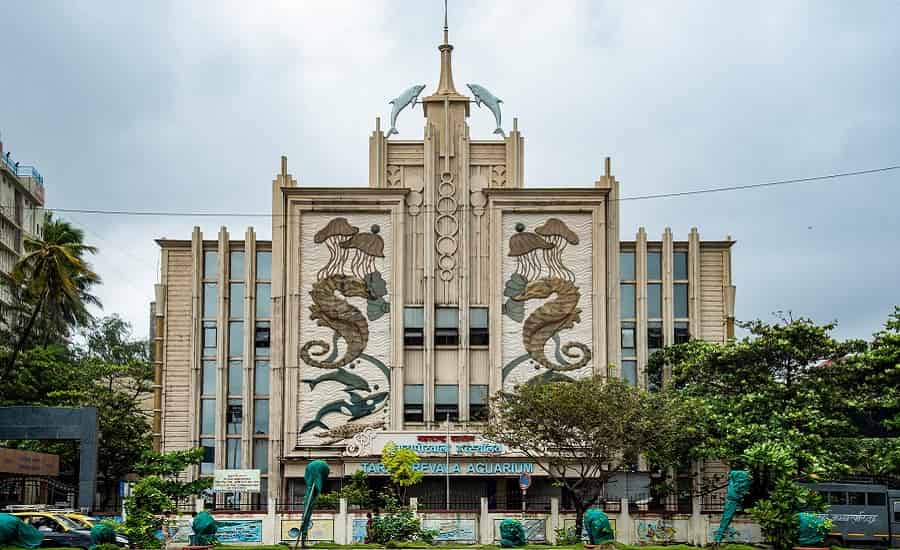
[[446, 34], [445, 83]]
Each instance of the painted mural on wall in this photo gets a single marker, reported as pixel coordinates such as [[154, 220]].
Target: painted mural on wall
[[458, 530], [659, 531], [344, 325], [239, 530], [321, 529], [547, 298], [535, 529]]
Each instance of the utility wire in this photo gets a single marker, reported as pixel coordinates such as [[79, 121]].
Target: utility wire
[[464, 208]]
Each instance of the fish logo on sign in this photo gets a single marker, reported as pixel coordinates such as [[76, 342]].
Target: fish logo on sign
[[524, 481]]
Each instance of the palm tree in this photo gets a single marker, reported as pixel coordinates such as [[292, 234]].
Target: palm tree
[[54, 282]]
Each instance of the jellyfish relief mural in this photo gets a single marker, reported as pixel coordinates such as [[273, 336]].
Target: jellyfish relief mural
[[349, 275], [541, 274]]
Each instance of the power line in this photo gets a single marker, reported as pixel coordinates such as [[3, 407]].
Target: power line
[[159, 213]]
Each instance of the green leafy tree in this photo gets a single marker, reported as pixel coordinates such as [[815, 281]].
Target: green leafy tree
[[400, 465], [51, 284], [158, 492], [582, 432]]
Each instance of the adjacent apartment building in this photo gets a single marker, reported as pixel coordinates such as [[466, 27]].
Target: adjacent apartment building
[[21, 211], [381, 313]]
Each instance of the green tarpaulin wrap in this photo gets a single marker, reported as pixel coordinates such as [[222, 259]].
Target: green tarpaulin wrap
[[205, 527], [512, 534], [16, 532], [811, 529], [738, 487], [102, 534], [596, 522], [315, 476]]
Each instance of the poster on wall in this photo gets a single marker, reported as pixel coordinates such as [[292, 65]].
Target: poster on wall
[[459, 530], [322, 529], [358, 531], [535, 529], [239, 530], [661, 531]]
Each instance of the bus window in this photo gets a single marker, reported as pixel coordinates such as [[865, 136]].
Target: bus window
[[876, 499], [856, 499], [837, 498]]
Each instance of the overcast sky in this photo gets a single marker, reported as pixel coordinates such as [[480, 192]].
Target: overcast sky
[[187, 106]]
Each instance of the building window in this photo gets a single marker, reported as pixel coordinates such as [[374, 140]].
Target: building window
[[210, 264], [627, 308], [478, 327], [235, 338], [234, 416], [654, 337], [680, 267], [261, 378], [682, 332], [263, 300], [208, 377], [208, 416], [446, 326], [680, 293], [236, 300], [264, 265], [261, 455], [654, 300], [262, 338], [260, 416], [626, 266], [233, 454], [210, 300], [235, 378], [208, 465], [629, 345], [629, 371], [414, 403], [446, 402], [236, 265], [478, 402], [654, 265], [413, 326], [209, 338]]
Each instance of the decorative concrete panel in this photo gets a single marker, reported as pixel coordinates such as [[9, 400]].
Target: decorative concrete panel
[[346, 302], [547, 311]]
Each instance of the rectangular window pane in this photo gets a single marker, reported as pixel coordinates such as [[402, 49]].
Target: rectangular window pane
[[262, 338], [208, 377], [446, 317], [838, 498], [627, 308], [236, 300], [263, 300], [654, 265], [236, 265], [261, 416], [413, 399], [264, 265], [680, 267], [478, 402], [626, 266], [210, 300], [235, 338], [209, 339], [413, 317], [233, 454], [208, 465], [261, 456], [628, 339], [876, 499], [629, 372], [654, 300], [682, 332], [654, 336], [680, 291], [446, 402], [210, 264], [234, 415], [856, 499], [261, 378], [235, 378], [208, 416], [478, 317]]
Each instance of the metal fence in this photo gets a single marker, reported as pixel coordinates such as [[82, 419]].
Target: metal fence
[[670, 504], [296, 507], [712, 503], [512, 502], [437, 502], [610, 506]]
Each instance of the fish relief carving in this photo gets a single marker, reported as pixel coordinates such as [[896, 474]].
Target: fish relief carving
[[541, 274]]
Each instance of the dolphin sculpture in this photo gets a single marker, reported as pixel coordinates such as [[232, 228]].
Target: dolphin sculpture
[[493, 103], [399, 103], [357, 407], [348, 379]]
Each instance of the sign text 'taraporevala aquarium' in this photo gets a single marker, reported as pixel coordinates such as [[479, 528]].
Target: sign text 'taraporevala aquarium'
[[456, 468]]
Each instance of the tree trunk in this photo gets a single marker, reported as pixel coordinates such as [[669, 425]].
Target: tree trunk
[[579, 516], [20, 345]]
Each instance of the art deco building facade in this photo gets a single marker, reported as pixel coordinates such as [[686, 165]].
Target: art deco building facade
[[377, 313]]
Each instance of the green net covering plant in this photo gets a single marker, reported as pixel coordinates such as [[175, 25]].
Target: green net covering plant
[[15, 532]]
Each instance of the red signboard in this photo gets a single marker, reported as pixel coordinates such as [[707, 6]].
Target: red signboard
[[443, 438]]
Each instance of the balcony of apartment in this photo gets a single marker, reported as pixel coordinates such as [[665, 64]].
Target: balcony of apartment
[[27, 176]]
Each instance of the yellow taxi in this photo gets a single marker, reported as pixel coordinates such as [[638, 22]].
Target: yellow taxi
[[57, 529]]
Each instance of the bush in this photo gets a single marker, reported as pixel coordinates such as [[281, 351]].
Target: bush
[[399, 526], [106, 546], [566, 537]]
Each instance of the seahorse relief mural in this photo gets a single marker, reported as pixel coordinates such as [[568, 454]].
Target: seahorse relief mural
[[344, 325], [547, 321]]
